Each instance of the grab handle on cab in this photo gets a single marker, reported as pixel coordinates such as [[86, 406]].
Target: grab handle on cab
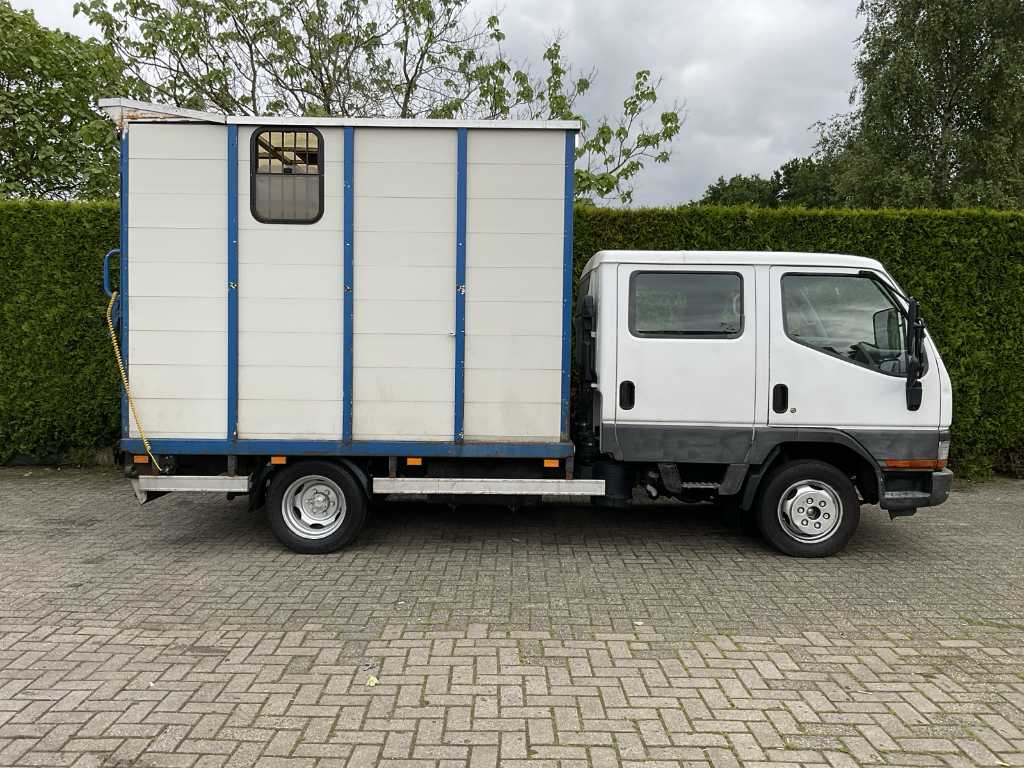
[[780, 398], [627, 395]]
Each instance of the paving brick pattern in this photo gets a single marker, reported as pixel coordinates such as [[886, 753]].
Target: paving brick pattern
[[182, 635]]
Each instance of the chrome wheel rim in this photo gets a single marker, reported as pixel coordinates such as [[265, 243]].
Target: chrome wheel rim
[[810, 511], [313, 507]]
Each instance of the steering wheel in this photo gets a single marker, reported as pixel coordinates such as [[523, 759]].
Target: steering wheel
[[872, 356], [866, 353]]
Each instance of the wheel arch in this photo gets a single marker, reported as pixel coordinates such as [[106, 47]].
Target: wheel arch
[[839, 450], [261, 484]]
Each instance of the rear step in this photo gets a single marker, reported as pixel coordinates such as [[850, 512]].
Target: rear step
[[674, 484], [473, 486], [149, 487]]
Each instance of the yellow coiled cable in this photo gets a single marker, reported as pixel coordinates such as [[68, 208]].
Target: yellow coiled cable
[[124, 380]]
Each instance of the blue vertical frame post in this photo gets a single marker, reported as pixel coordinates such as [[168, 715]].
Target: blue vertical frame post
[[123, 274], [461, 170], [348, 300], [567, 273], [232, 394]]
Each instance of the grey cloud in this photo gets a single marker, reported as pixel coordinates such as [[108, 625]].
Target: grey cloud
[[754, 74]]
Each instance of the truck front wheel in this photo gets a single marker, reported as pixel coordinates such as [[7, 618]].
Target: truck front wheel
[[808, 509], [315, 507]]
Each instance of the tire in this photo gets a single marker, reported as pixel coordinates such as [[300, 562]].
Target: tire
[[315, 507], [819, 529]]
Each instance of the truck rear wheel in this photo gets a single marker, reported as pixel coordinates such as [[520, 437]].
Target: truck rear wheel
[[315, 507], [808, 509]]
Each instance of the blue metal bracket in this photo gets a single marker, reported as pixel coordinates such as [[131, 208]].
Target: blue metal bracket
[[360, 448], [106, 271], [348, 305], [232, 286], [461, 170], [567, 274], [122, 298]]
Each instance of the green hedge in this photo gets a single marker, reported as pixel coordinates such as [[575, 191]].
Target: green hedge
[[964, 266], [59, 391], [58, 380]]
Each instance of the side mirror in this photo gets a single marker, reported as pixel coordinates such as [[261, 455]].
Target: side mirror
[[586, 346], [914, 351], [886, 324], [588, 307]]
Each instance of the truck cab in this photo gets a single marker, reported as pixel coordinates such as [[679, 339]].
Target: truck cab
[[793, 386]]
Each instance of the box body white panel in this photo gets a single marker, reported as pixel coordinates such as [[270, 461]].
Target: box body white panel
[[514, 261], [177, 273], [404, 285], [291, 324]]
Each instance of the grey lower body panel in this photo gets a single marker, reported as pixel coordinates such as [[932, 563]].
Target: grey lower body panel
[[885, 444], [471, 486], [676, 443], [752, 445], [875, 444], [743, 448]]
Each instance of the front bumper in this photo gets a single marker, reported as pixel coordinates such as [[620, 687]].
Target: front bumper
[[905, 492], [942, 481]]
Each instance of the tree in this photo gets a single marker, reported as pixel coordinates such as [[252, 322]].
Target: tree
[[937, 117], [935, 120], [53, 141], [802, 181], [742, 190], [808, 182], [372, 58]]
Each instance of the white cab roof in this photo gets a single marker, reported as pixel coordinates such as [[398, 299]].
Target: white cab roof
[[772, 258], [123, 111]]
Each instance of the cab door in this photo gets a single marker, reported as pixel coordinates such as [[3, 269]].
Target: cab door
[[685, 363], [836, 355]]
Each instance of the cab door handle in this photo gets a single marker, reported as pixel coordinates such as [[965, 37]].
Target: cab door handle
[[627, 395], [780, 398]]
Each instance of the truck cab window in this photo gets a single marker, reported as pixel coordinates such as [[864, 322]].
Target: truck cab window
[[846, 316], [686, 304], [287, 176]]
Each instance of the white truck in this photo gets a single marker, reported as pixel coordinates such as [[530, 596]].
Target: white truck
[[319, 311]]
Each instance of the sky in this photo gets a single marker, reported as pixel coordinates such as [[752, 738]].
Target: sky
[[752, 75]]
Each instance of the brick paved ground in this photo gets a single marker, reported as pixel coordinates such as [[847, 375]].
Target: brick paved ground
[[182, 635]]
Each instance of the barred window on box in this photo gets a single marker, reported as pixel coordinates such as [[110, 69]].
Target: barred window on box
[[287, 176]]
